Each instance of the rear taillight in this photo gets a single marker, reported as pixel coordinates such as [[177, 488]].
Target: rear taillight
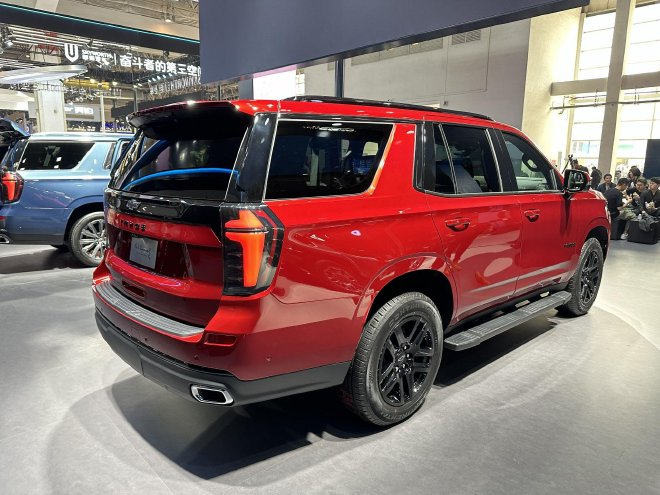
[[252, 241], [11, 186]]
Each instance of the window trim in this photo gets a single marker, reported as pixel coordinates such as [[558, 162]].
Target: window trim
[[328, 119]]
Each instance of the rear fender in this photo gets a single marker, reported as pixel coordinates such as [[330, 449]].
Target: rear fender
[[396, 269]]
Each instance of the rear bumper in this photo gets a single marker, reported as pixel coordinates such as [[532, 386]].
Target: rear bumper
[[179, 378]]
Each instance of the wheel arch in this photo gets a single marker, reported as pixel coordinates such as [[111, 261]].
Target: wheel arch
[[601, 234], [79, 212], [432, 283]]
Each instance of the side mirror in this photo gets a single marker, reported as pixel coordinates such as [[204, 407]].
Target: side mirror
[[575, 181]]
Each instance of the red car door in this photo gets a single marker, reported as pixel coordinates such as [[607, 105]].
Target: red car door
[[548, 244], [480, 229]]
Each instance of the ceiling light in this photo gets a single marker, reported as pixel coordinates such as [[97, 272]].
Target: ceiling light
[[114, 83], [92, 80], [169, 17]]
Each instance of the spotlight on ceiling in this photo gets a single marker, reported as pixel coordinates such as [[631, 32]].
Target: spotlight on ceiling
[[169, 17]]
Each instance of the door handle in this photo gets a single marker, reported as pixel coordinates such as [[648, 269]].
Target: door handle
[[532, 215], [458, 224]]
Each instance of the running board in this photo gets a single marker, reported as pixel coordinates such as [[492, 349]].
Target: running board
[[476, 335]]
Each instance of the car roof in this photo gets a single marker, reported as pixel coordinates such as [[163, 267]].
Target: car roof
[[329, 106], [79, 136]]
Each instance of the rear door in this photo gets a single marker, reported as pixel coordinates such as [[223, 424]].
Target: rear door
[[548, 244], [479, 226]]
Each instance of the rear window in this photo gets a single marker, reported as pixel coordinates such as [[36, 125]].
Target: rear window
[[324, 158], [188, 155], [48, 155], [198, 168], [12, 157]]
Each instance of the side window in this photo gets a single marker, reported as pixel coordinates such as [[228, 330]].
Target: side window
[[47, 155], [531, 170], [441, 177], [324, 158], [472, 158]]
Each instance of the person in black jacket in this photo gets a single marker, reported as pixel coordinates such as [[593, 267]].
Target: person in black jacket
[[651, 197], [607, 184], [614, 197]]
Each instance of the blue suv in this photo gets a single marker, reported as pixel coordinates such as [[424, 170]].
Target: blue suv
[[51, 189]]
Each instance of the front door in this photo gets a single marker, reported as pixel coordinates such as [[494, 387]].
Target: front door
[[548, 245]]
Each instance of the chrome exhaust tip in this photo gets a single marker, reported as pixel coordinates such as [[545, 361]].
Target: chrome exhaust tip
[[212, 394], [4, 239]]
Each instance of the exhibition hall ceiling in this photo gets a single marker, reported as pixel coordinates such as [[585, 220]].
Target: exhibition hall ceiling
[[172, 17]]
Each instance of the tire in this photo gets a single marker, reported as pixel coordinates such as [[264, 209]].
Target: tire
[[585, 282], [62, 248], [401, 345], [87, 239]]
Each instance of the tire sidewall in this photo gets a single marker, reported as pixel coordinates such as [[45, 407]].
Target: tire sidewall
[[408, 307], [591, 246], [74, 238]]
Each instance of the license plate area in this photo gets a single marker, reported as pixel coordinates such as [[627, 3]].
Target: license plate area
[[143, 251]]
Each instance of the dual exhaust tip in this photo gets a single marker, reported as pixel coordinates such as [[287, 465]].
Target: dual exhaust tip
[[212, 394]]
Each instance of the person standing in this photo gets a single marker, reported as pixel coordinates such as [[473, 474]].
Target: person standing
[[596, 175], [607, 183]]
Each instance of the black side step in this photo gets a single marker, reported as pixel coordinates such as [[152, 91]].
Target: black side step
[[476, 335]]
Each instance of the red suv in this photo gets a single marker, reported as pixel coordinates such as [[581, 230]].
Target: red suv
[[258, 249]]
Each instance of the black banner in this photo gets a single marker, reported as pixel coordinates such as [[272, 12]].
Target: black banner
[[242, 37]]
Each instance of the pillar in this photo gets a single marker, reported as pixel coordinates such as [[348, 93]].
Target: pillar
[[609, 136], [49, 102]]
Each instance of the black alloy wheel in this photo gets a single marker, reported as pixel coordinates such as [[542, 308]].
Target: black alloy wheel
[[405, 359], [396, 360], [590, 279], [585, 282]]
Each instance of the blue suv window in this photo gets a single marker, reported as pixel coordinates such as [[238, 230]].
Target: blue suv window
[[48, 155]]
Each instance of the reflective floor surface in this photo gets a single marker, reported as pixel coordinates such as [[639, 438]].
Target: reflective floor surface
[[568, 406]]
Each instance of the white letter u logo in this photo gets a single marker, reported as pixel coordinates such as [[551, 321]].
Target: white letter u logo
[[71, 52]]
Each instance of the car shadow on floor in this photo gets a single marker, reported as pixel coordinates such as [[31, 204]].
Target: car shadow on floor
[[212, 441], [41, 260]]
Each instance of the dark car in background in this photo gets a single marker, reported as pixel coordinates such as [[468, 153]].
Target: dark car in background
[[51, 189]]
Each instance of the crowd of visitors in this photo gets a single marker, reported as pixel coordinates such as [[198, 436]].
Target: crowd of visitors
[[630, 199]]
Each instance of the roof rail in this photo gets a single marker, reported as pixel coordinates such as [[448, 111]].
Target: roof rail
[[388, 104]]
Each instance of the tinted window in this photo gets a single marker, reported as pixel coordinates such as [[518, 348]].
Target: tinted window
[[531, 170], [441, 175], [48, 155], [472, 159], [324, 158], [198, 168]]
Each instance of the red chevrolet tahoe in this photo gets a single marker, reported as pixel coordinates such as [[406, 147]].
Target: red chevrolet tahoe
[[258, 249]]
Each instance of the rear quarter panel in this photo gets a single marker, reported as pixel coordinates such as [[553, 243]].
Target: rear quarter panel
[[339, 251]]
